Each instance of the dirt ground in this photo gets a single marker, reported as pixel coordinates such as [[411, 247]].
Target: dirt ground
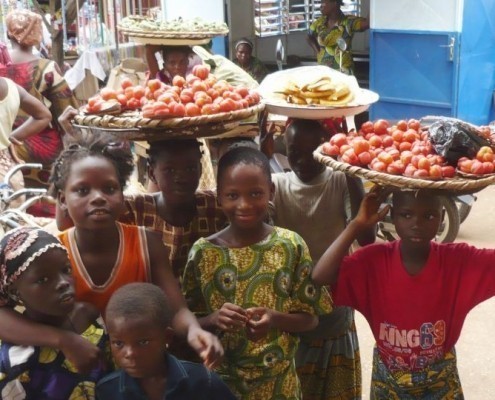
[[476, 346]]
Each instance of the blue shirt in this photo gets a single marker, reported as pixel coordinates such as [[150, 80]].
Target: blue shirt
[[185, 381]]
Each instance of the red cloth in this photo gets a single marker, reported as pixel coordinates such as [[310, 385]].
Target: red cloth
[[415, 319]]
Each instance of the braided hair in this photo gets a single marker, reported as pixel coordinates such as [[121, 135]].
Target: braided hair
[[117, 152]]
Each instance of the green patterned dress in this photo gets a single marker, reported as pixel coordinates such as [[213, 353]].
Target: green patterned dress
[[330, 54], [274, 273]]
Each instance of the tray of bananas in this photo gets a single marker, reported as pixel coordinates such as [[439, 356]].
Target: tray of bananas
[[314, 92]]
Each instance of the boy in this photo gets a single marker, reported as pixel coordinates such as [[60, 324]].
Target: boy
[[138, 322], [415, 294], [317, 202]]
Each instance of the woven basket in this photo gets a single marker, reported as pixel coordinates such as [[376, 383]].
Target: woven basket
[[457, 185], [146, 34], [132, 126]]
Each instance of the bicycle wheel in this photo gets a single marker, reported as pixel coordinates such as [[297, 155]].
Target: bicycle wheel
[[451, 222]]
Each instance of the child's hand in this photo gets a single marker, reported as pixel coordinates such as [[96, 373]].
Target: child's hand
[[369, 212], [206, 345], [65, 118], [230, 318], [259, 323], [83, 354], [267, 144]]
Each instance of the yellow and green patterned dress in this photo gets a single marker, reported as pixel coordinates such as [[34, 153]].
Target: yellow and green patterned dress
[[274, 273], [330, 54]]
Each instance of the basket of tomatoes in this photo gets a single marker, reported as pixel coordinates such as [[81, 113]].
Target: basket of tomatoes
[[401, 155], [198, 105]]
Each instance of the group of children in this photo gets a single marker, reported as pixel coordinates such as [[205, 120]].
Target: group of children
[[249, 294]]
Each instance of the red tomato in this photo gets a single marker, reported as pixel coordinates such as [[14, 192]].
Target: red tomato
[[138, 92], [186, 96], [126, 82], [413, 124], [192, 110], [178, 81], [242, 91], [199, 86], [380, 127], [209, 109], [201, 71], [108, 94], [227, 105], [154, 84], [402, 125]]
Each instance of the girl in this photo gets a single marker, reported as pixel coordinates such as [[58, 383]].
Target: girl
[[415, 294], [104, 253], [251, 282], [36, 274]]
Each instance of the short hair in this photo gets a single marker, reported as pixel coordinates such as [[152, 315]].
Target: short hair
[[399, 195], [157, 148], [140, 299], [306, 127], [243, 155], [96, 145]]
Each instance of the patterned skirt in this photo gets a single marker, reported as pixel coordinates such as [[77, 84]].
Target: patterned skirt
[[330, 368], [436, 382]]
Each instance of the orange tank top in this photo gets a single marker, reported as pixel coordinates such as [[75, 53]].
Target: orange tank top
[[132, 265]]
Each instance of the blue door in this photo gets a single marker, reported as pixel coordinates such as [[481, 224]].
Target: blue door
[[414, 72]]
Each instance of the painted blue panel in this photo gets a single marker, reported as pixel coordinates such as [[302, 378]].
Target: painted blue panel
[[395, 111], [477, 69], [218, 46], [412, 73]]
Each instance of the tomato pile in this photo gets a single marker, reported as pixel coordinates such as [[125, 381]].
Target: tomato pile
[[402, 149], [200, 93]]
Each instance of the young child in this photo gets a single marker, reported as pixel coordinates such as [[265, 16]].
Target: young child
[[106, 254], [181, 213], [415, 294], [312, 199], [251, 282], [138, 322], [36, 274]]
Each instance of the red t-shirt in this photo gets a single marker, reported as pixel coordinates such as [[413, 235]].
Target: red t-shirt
[[415, 319]]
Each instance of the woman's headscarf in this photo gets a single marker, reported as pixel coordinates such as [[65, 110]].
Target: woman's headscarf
[[24, 27], [18, 249], [245, 41]]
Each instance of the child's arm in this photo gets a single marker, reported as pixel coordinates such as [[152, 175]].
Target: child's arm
[[356, 195], [184, 323], [39, 119], [262, 319], [17, 329], [326, 270]]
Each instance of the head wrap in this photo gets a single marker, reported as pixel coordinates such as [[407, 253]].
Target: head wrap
[[245, 41], [24, 27], [18, 249]]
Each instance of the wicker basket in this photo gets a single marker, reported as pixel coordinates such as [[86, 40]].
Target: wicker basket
[[171, 34], [132, 126], [457, 185]]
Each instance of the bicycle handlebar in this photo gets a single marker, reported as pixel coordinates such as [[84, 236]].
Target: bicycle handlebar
[[18, 167]]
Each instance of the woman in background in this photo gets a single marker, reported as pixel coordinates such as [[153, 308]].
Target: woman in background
[[42, 79], [244, 58], [332, 28]]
